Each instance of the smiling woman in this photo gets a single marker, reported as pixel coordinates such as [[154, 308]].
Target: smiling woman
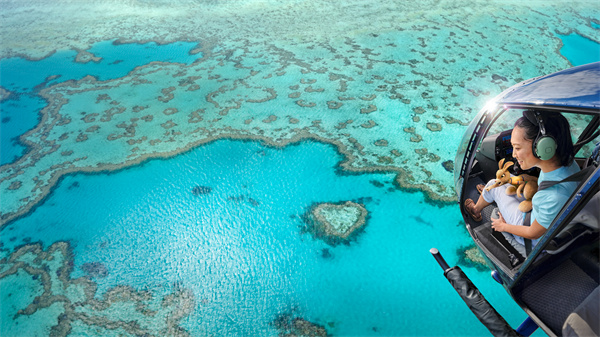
[[540, 139]]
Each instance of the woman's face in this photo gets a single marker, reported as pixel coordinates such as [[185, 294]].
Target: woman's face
[[522, 149]]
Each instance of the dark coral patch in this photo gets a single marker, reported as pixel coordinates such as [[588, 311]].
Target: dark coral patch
[[95, 269], [448, 165], [376, 183], [288, 325], [200, 190]]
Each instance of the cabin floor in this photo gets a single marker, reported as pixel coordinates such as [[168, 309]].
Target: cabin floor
[[555, 295]]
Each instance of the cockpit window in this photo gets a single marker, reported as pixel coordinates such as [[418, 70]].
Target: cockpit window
[[578, 123], [506, 121]]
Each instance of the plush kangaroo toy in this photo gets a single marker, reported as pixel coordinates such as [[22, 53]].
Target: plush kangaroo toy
[[523, 185]]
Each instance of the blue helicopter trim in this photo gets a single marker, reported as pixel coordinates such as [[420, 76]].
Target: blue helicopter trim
[[577, 87]]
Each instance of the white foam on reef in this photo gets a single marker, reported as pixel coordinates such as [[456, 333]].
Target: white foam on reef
[[391, 84]]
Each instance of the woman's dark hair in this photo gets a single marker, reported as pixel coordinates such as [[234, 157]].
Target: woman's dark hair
[[557, 126]]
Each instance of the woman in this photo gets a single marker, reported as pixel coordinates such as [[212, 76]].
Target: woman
[[543, 140]]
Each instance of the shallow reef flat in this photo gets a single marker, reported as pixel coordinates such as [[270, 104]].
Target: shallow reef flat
[[391, 85], [35, 29], [38, 288], [336, 223]]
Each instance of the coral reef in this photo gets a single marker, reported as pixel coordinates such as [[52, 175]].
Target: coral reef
[[199, 190], [95, 269], [335, 223], [161, 109], [290, 326], [448, 165], [4, 94], [49, 289], [470, 256]]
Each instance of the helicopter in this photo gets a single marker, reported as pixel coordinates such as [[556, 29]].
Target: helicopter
[[557, 281]]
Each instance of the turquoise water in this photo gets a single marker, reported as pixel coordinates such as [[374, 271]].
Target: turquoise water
[[116, 60], [19, 115], [21, 111], [579, 50], [240, 248], [247, 262]]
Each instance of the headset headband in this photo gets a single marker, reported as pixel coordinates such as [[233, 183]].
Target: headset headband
[[532, 116], [535, 117]]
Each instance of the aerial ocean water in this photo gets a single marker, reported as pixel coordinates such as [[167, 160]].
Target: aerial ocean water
[[162, 184], [241, 248], [21, 76]]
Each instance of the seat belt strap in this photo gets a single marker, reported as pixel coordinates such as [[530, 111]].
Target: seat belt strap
[[527, 222], [574, 177]]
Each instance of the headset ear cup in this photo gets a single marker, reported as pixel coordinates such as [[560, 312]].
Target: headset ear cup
[[545, 147]]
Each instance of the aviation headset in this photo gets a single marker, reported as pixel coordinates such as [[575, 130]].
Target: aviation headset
[[543, 146]]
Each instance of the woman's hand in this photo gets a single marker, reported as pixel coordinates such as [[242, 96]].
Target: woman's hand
[[535, 231], [499, 224]]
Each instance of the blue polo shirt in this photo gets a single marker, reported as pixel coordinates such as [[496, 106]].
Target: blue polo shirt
[[548, 202]]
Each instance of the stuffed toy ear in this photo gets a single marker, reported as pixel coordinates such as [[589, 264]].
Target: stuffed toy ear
[[507, 165], [500, 163]]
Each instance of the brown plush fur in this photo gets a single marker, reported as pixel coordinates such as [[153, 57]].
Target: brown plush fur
[[523, 185]]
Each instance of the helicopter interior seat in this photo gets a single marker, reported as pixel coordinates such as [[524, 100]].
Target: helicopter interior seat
[[585, 223], [563, 284], [583, 321], [554, 295]]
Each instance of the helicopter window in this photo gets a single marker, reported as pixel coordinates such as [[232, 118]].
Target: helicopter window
[[496, 144], [578, 123], [506, 121]]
